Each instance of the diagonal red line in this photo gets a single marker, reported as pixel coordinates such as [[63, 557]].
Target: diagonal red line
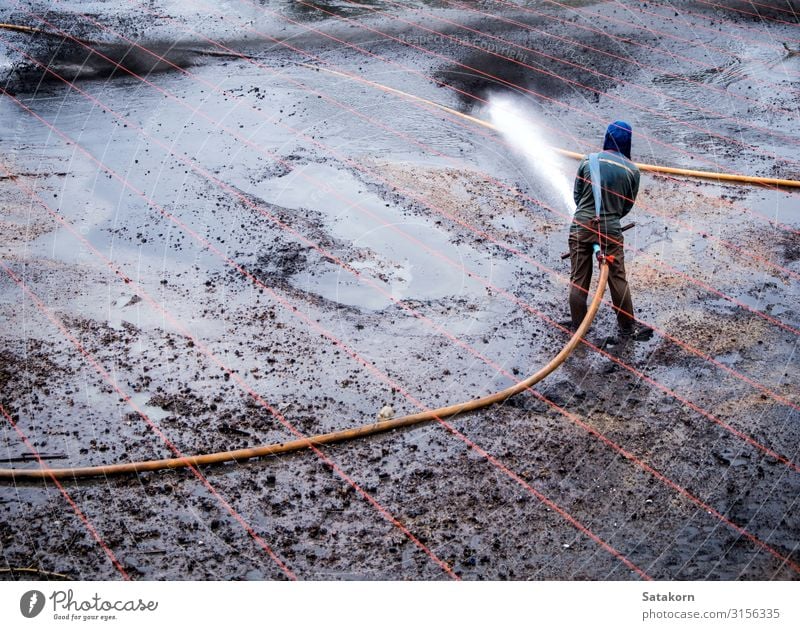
[[112, 382], [78, 512]]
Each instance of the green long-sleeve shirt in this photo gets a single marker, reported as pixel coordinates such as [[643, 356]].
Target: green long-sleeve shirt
[[620, 180]]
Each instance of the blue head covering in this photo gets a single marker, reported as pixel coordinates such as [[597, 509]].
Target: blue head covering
[[618, 138]]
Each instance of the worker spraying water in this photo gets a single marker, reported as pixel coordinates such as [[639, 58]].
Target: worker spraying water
[[604, 191]]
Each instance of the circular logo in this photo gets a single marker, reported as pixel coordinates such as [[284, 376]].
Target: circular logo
[[31, 604]]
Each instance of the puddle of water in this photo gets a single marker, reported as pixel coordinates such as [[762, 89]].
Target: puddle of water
[[156, 414], [403, 267]]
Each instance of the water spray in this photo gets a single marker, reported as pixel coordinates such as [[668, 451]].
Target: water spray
[[521, 130]]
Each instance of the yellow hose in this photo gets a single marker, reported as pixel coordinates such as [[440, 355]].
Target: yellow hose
[[23, 29], [7, 474], [38, 31], [685, 172]]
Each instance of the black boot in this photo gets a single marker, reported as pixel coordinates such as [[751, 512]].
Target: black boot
[[640, 332]]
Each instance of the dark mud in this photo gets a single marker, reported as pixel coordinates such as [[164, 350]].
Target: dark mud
[[372, 214]]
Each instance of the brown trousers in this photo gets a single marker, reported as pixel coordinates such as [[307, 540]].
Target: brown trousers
[[583, 260]]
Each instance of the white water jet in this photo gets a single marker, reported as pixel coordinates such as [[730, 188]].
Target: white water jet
[[520, 129]]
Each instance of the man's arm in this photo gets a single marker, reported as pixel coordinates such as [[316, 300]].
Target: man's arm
[[580, 181]]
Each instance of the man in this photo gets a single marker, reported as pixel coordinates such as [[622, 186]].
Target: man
[[618, 186]]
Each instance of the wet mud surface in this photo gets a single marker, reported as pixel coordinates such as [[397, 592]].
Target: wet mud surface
[[222, 245]]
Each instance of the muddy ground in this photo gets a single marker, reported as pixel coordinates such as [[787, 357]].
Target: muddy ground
[[274, 219]]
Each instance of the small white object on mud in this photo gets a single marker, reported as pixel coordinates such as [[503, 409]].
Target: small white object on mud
[[387, 413]]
